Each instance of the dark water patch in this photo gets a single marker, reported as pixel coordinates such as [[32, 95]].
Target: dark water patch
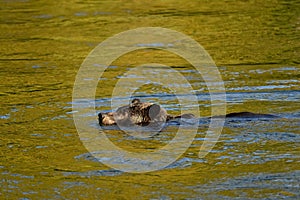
[[90, 174], [255, 158], [255, 137], [86, 156], [185, 163], [281, 186], [6, 116]]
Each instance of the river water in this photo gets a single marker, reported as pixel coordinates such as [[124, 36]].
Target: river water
[[255, 45]]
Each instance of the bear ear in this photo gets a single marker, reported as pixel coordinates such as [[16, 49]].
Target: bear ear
[[154, 111], [134, 101]]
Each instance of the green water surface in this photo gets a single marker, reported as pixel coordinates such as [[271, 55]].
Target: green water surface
[[255, 45]]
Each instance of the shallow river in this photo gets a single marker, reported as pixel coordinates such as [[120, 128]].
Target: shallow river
[[255, 45]]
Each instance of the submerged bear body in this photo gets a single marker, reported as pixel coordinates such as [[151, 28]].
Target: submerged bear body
[[144, 113]]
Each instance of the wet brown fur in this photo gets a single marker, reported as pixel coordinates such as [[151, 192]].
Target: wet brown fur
[[139, 113], [143, 113]]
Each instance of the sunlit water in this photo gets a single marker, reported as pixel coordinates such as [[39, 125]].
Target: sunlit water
[[255, 45]]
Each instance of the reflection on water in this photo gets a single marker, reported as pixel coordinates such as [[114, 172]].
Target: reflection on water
[[256, 46]]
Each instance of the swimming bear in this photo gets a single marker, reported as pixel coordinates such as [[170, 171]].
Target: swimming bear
[[144, 113]]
